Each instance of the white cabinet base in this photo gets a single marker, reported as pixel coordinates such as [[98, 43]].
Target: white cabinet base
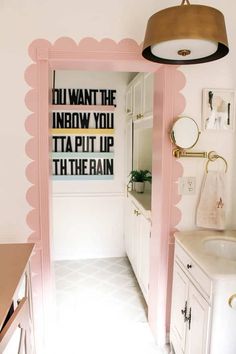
[[190, 311], [137, 237]]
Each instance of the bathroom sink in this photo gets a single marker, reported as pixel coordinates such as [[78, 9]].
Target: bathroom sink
[[224, 248]]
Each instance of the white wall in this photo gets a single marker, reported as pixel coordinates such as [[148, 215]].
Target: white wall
[[88, 226], [88, 214], [23, 21], [214, 75], [218, 74]]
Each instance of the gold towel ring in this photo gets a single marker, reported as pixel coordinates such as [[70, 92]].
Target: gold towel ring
[[213, 156]]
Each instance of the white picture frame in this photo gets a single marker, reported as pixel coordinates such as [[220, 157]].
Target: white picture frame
[[218, 109]]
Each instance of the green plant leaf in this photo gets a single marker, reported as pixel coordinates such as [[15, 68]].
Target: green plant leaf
[[140, 176]]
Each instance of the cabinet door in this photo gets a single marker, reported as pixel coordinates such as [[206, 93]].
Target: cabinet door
[[198, 325], [136, 240], [138, 97], [129, 220], [128, 149], [129, 101], [147, 94], [143, 268], [142, 145], [179, 305], [132, 234]]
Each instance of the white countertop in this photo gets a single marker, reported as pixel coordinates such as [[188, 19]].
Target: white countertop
[[143, 201], [215, 267]]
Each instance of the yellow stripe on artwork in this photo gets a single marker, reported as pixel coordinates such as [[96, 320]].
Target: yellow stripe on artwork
[[82, 131]]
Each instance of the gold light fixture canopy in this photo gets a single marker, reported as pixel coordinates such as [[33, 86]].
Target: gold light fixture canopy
[[185, 34]]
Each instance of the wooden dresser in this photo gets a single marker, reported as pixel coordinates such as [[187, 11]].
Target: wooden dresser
[[16, 315]]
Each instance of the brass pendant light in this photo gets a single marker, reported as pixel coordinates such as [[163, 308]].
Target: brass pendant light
[[185, 34]]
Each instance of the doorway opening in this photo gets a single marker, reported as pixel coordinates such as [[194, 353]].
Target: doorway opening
[[97, 292]]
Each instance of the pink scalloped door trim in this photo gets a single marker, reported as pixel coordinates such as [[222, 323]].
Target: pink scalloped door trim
[[104, 55], [169, 103]]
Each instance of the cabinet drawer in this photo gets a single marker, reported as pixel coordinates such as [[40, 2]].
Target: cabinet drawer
[[193, 270]]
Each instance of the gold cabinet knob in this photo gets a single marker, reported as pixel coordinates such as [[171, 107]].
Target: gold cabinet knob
[[136, 212], [232, 301], [138, 116]]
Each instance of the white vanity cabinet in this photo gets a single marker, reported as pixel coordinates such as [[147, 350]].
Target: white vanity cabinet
[[16, 308], [139, 110], [143, 254], [139, 96], [198, 328], [203, 312], [191, 306], [137, 85], [128, 149], [142, 145], [148, 93], [137, 237], [129, 100], [131, 228]]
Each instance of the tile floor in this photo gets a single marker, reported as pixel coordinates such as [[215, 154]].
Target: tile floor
[[100, 309]]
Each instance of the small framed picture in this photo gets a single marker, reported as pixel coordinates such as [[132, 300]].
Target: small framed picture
[[218, 109]]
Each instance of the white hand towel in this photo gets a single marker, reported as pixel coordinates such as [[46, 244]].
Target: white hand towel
[[211, 207]]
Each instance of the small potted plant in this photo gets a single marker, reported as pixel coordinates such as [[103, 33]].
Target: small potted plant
[[138, 179]]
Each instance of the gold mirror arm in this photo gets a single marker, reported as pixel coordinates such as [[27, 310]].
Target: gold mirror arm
[[183, 153]]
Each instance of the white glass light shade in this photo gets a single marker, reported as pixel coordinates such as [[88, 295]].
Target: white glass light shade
[[198, 48]]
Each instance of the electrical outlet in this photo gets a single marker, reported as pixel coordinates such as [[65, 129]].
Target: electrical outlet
[[187, 185]]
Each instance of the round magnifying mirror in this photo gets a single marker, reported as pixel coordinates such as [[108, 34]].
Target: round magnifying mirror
[[185, 132]]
